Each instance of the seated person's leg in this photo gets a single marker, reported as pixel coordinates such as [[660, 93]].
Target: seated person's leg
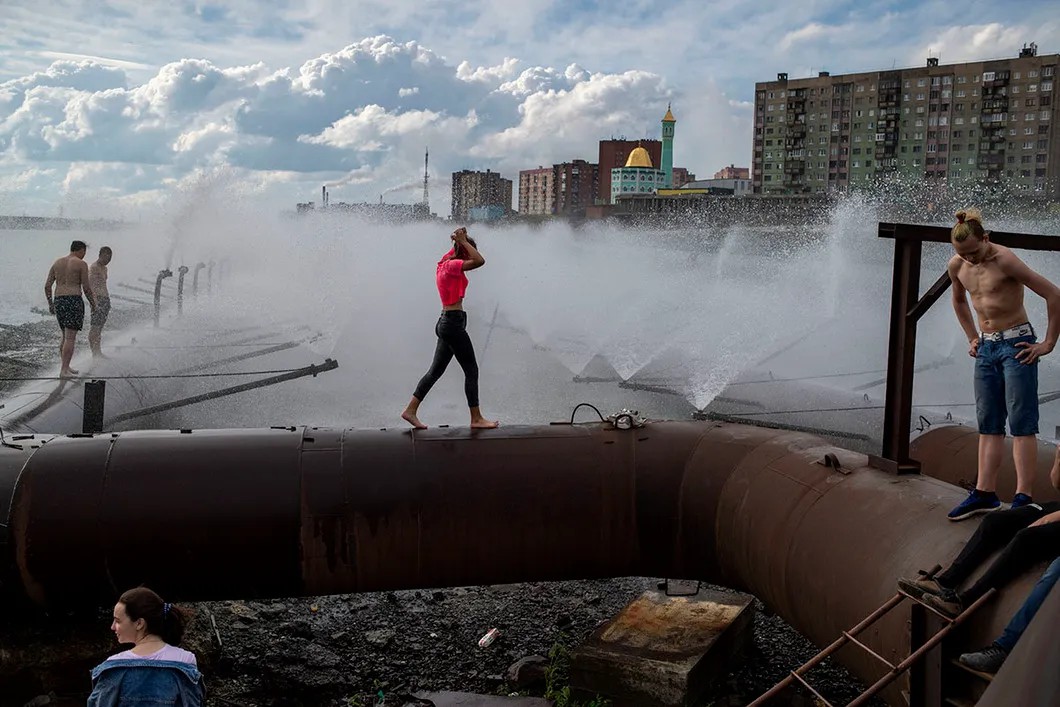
[[1038, 543], [989, 659], [993, 533]]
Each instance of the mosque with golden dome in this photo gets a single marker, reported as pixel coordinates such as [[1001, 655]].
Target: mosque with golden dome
[[639, 175]]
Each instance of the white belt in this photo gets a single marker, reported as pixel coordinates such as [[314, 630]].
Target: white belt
[[1024, 329]]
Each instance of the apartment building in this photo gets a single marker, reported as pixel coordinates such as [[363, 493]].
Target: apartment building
[[989, 122], [480, 190], [536, 191], [562, 189]]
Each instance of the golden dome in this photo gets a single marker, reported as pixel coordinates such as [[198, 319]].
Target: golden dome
[[639, 157], [669, 117]]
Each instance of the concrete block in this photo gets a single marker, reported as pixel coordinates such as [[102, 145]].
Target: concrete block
[[663, 651]]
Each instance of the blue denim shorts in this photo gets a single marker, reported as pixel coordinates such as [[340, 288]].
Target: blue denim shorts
[[1005, 387]]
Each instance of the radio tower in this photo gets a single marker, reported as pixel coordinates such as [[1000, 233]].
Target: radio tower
[[426, 195]]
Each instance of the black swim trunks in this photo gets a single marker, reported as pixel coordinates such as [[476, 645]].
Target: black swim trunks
[[99, 317], [70, 311]]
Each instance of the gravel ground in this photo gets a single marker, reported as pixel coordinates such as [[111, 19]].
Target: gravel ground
[[344, 650]]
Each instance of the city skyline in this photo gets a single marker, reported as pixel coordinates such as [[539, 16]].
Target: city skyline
[[116, 106]]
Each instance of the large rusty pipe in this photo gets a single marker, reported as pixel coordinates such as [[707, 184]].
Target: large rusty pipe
[[950, 453], [282, 512]]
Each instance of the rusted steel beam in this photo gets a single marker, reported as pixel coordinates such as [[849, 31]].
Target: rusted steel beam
[[930, 297], [941, 234], [302, 511], [901, 358]]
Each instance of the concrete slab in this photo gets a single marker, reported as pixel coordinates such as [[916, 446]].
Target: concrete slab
[[466, 699], [663, 650]]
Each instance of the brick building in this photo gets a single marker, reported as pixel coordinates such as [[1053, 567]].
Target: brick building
[[615, 153]]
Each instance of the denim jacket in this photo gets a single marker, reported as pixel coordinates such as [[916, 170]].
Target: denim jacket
[[146, 683]]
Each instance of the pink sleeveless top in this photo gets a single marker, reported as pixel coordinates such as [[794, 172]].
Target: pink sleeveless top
[[452, 282]]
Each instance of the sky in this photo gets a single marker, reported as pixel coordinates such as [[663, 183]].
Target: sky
[[110, 107]]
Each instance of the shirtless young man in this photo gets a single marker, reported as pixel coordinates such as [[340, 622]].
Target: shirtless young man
[[70, 277], [1006, 356], [97, 279]]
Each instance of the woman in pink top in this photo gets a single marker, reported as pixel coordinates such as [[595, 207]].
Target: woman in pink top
[[451, 330]]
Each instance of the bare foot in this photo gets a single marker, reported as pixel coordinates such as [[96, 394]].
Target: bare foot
[[69, 373], [482, 423], [73, 370], [410, 417], [99, 354]]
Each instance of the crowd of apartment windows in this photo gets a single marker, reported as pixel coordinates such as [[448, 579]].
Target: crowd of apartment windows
[[990, 121]]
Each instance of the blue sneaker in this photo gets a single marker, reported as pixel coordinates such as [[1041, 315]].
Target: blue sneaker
[[976, 503], [1020, 500]]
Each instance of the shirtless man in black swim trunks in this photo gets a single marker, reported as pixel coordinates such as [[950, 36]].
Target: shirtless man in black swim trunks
[[69, 274]]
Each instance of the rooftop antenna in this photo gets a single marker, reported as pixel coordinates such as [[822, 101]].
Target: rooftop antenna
[[426, 194]]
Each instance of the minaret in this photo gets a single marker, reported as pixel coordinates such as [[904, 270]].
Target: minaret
[[667, 166]]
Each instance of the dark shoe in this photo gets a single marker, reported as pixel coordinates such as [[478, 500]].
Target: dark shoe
[[921, 586], [1020, 500], [947, 603], [988, 660], [976, 503]]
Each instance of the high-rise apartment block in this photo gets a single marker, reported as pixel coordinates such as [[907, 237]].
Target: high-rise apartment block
[[536, 191], [562, 189], [487, 192], [989, 121]]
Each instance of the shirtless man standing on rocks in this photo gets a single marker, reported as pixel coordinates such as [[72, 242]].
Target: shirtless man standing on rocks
[[1006, 353], [97, 279], [69, 274]]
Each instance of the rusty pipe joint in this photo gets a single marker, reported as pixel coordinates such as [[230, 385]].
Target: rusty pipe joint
[[183, 270], [162, 275]]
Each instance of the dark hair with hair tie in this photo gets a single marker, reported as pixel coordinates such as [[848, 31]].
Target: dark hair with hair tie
[[162, 618]]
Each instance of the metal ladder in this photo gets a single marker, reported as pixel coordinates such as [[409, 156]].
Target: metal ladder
[[894, 671]]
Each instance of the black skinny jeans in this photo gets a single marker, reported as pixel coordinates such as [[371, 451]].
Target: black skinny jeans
[[1023, 547], [453, 340]]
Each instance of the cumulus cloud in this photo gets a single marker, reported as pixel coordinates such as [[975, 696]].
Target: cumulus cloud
[[970, 42], [490, 91], [357, 116]]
